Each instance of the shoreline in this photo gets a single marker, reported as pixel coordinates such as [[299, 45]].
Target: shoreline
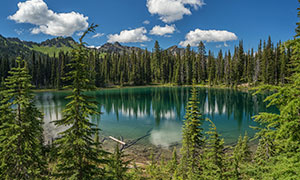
[[242, 87], [140, 153]]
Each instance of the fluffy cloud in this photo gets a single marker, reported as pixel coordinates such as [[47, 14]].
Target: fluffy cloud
[[79, 34], [93, 47], [48, 22], [194, 37], [126, 36], [146, 22], [160, 31], [98, 35], [172, 10]]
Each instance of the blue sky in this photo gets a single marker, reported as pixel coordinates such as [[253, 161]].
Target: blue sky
[[219, 23]]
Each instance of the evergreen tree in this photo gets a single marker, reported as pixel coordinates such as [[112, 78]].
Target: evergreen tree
[[298, 24], [188, 65], [214, 155], [20, 128], [211, 68], [241, 157], [156, 62], [202, 74], [173, 163], [153, 169], [227, 70], [192, 138], [78, 157], [117, 167], [280, 133], [219, 68], [178, 72]]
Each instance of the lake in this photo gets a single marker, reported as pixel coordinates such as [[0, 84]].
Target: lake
[[133, 112]]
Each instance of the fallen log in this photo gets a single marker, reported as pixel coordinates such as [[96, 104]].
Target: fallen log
[[117, 140]]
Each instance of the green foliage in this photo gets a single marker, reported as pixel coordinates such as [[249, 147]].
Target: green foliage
[[298, 24], [279, 133], [75, 155], [51, 51], [137, 173], [192, 138], [267, 65], [21, 130], [277, 155], [214, 155], [78, 157], [240, 158], [172, 165], [117, 166]]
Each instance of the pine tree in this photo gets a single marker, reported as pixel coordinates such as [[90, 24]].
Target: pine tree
[[117, 167], [227, 69], [202, 60], [211, 68], [78, 157], [173, 163], [298, 24], [278, 152], [147, 67], [192, 137], [219, 68], [280, 133], [20, 128], [240, 63], [214, 155], [153, 168], [237, 158], [188, 64], [241, 157], [178, 72], [156, 62]]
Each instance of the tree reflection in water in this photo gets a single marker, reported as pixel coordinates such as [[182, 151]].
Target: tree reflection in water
[[130, 112]]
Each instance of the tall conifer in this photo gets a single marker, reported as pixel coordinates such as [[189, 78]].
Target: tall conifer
[[78, 157], [20, 128], [192, 137]]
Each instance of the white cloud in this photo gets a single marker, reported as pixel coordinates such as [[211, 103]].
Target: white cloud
[[36, 12], [98, 35], [79, 33], [220, 45], [160, 31], [126, 36], [146, 22], [194, 37], [172, 10], [19, 31], [93, 47]]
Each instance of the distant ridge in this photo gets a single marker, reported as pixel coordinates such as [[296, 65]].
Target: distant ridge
[[175, 50], [51, 47], [59, 42], [118, 48]]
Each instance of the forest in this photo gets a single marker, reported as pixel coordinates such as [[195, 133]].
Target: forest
[[268, 64], [78, 153]]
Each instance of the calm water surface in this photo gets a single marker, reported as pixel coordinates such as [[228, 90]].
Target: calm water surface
[[132, 112]]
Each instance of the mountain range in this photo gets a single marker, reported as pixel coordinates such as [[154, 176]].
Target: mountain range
[[17, 47]]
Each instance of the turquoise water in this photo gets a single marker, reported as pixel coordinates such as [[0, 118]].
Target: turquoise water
[[132, 112]]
